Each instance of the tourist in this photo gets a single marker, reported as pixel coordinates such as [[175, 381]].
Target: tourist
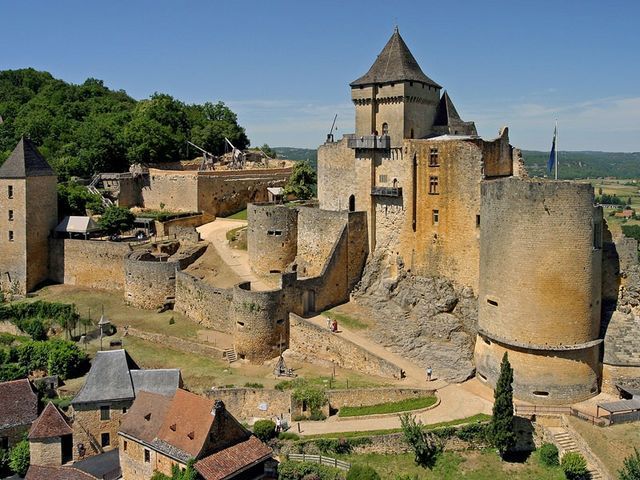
[[429, 372], [278, 425], [334, 326], [328, 323]]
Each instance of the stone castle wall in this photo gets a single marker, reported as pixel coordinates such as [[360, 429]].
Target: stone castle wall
[[318, 231], [175, 226], [175, 191], [203, 303], [13, 253], [272, 237], [336, 174], [41, 219], [87, 263], [247, 404]]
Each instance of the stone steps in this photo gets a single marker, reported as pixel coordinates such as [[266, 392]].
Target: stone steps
[[566, 443], [231, 355]]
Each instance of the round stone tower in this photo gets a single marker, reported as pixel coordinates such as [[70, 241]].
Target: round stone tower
[[272, 237], [539, 289]]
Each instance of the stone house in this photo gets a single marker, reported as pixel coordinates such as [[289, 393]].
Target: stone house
[[159, 432], [51, 438], [18, 410], [112, 384]]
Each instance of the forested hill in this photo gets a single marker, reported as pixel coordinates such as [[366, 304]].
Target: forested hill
[[88, 128], [572, 164]]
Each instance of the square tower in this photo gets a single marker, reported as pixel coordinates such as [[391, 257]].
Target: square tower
[[28, 213]]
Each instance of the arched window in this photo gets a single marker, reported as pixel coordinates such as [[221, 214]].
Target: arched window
[[385, 128], [352, 203]]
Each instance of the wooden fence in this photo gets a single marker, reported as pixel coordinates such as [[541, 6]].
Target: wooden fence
[[321, 459], [561, 410]]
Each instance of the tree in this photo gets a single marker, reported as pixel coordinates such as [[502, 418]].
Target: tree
[[19, 458], [501, 427], [631, 467], [549, 454], [574, 466], [117, 220], [265, 430], [424, 444], [302, 181], [362, 472]]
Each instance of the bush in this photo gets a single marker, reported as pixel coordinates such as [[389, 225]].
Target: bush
[[253, 385], [288, 470], [117, 220], [317, 416], [631, 467], [57, 357], [172, 321], [424, 445], [574, 466], [549, 454], [284, 385], [19, 458], [288, 436], [362, 472], [265, 430], [12, 371]]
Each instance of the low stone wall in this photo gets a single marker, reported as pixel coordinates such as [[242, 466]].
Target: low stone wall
[[308, 338], [88, 263], [177, 343], [362, 397], [203, 303], [248, 404], [8, 327], [612, 374], [171, 227]]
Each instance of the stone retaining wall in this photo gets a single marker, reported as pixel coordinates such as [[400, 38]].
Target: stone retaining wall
[[249, 404], [171, 227], [203, 303], [177, 343], [373, 396]]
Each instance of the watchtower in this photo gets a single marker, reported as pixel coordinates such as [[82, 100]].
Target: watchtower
[[28, 213]]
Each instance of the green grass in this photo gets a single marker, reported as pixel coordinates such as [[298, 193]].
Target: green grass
[[480, 417], [472, 465], [389, 407], [241, 215], [345, 320]]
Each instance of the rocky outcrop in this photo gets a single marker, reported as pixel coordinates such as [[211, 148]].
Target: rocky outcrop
[[429, 320]]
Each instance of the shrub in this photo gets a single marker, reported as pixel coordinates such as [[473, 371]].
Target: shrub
[[289, 470], [265, 430], [288, 436], [631, 467], [116, 220], [12, 371], [284, 385], [574, 466], [172, 321], [424, 445], [313, 395], [19, 458], [362, 472], [253, 385], [317, 416], [549, 454]]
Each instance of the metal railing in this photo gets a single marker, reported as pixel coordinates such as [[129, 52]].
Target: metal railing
[[558, 410], [382, 142], [386, 191], [321, 459]]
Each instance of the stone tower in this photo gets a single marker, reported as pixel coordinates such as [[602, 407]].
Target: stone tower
[[395, 97], [28, 213]]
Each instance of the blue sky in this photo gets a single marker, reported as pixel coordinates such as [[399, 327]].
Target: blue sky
[[284, 66]]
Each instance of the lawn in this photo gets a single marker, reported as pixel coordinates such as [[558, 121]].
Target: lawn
[[344, 320], [241, 215], [471, 465], [389, 407]]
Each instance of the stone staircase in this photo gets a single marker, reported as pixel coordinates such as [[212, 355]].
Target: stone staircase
[[566, 443], [231, 355]]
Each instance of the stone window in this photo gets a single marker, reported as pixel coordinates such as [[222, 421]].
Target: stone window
[[124, 409], [275, 233], [4, 443], [433, 185], [540, 393], [10, 191], [11, 235], [124, 445], [105, 439], [11, 215], [240, 324], [435, 216], [482, 377], [597, 235], [105, 413], [433, 157], [147, 456], [477, 221], [385, 128], [382, 178], [492, 302]]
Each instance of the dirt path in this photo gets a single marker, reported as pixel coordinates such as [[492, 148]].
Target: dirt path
[[238, 260]]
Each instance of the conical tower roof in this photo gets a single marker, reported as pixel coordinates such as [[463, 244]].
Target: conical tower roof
[[394, 64], [446, 113], [25, 161], [49, 424]]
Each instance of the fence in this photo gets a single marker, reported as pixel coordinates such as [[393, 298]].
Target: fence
[[561, 410], [321, 459]]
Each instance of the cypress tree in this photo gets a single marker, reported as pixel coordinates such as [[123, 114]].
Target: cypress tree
[[501, 428]]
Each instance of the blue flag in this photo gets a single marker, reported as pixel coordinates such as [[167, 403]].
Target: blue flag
[[552, 155]]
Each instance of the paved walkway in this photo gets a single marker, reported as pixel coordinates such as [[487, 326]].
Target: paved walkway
[[238, 260]]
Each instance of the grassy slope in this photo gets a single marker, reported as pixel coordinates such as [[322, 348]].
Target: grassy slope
[[390, 407]]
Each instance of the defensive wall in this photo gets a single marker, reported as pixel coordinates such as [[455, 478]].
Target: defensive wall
[[88, 263], [204, 303], [540, 287], [272, 237], [175, 226]]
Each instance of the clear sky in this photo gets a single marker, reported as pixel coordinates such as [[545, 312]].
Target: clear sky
[[285, 66]]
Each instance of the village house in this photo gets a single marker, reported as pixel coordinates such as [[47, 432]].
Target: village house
[[159, 432], [18, 410]]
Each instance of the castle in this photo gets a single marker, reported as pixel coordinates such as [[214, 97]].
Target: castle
[[415, 189]]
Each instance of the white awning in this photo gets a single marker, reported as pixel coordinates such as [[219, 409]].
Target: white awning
[[75, 224], [275, 190]]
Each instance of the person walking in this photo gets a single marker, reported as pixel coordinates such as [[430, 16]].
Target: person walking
[[429, 373]]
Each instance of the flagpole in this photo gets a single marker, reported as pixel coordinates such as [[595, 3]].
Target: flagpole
[[556, 153]]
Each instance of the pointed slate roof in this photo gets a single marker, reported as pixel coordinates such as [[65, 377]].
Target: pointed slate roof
[[108, 378], [49, 424], [446, 113], [25, 161], [395, 63]]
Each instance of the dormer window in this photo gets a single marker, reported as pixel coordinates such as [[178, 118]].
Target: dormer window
[[191, 435], [173, 427], [147, 417]]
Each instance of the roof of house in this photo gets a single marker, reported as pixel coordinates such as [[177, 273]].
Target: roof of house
[[18, 403], [446, 112], [100, 466], [221, 465], [395, 63], [115, 376], [49, 424], [37, 472], [25, 161], [76, 224], [187, 422], [145, 417]]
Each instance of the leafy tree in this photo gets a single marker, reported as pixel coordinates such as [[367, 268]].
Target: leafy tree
[[574, 466], [501, 427], [631, 467], [549, 454], [313, 396], [117, 220], [12, 371], [302, 181], [265, 430], [424, 444], [289, 470], [74, 199], [19, 458], [362, 472]]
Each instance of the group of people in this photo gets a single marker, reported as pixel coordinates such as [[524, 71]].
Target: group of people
[[332, 325]]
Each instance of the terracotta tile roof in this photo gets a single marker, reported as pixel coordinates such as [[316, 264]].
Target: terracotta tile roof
[[187, 422], [145, 417], [223, 464], [49, 424], [37, 472], [18, 403]]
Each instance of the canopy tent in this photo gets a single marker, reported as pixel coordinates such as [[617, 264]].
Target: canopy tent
[[74, 224]]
